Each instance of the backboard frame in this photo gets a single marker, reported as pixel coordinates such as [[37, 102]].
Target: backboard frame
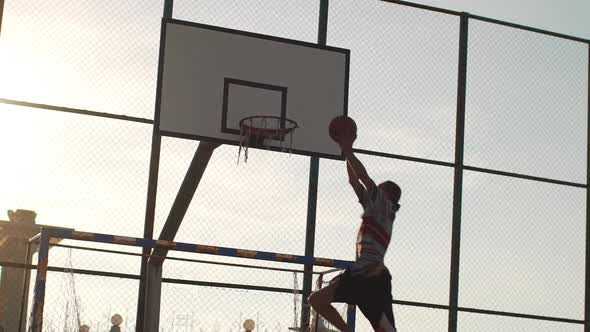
[[227, 82], [282, 90]]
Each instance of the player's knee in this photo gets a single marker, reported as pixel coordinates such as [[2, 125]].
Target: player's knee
[[312, 300], [316, 300]]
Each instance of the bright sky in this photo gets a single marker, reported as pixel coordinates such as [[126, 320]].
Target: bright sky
[[566, 17], [522, 242]]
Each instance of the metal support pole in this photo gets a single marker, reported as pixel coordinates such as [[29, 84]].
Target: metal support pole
[[351, 316], [309, 238], [179, 207], [587, 293], [40, 282], [1, 13], [153, 296], [25, 289], [314, 167], [150, 210], [458, 182]]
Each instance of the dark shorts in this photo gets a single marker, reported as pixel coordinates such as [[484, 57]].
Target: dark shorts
[[372, 294]]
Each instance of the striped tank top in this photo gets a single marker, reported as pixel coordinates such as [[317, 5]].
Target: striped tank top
[[374, 233]]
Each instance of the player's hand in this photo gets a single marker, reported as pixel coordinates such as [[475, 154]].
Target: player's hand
[[346, 145], [349, 136]]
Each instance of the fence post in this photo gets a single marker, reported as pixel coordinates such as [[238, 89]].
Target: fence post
[[1, 13], [40, 282], [150, 209], [458, 179], [587, 283], [314, 166], [25, 288]]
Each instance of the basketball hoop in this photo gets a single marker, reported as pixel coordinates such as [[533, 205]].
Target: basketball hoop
[[256, 129]]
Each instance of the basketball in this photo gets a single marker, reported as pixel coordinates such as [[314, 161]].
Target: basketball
[[341, 127]]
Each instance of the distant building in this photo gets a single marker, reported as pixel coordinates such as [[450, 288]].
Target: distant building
[[14, 235]]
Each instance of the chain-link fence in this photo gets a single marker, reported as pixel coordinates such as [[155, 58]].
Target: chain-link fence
[[490, 152], [223, 293]]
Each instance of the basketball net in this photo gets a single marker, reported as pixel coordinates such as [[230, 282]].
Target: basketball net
[[72, 302], [255, 130]]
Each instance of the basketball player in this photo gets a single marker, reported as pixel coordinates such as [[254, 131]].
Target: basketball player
[[367, 283]]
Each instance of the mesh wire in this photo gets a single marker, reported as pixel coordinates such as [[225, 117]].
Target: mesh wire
[[403, 76], [409, 260], [76, 171], [529, 267], [527, 103], [487, 323], [526, 113], [293, 19], [100, 56]]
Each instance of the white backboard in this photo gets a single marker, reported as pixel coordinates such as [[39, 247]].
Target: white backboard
[[211, 77]]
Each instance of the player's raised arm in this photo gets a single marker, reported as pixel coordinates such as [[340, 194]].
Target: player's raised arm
[[356, 166], [354, 182], [343, 131]]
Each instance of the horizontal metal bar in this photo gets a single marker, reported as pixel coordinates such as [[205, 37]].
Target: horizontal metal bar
[[75, 111], [361, 151], [17, 265], [470, 168], [179, 281], [197, 248], [401, 157], [490, 312], [517, 315], [421, 304], [166, 280], [526, 177], [528, 28], [426, 7], [248, 266], [490, 20], [233, 286], [285, 290]]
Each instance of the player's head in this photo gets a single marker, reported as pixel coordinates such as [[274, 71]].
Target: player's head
[[392, 192]]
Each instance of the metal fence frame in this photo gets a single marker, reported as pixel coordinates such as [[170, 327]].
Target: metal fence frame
[[458, 166], [47, 234]]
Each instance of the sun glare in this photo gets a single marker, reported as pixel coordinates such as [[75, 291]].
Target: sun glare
[[31, 69], [17, 66], [22, 134]]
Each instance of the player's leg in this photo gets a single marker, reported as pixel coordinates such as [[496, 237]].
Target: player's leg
[[379, 315], [321, 301], [387, 321], [376, 302]]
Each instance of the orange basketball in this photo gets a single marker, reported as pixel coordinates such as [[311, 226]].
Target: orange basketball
[[341, 127]]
